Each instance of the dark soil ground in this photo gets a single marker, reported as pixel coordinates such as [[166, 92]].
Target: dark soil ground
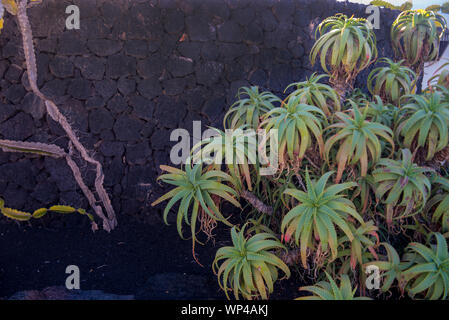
[[143, 260]]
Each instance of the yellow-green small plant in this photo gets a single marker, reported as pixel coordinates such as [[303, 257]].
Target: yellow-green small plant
[[444, 8], [352, 255], [39, 213], [249, 268], [407, 5], [329, 290], [383, 113], [365, 238]]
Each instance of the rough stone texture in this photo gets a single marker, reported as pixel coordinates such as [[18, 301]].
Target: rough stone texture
[[183, 286], [61, 293], [135, 71]]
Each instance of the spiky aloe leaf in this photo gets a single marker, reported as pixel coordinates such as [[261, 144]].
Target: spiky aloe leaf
[[320, 210], [392, 81], [298, 125], [438, 205], [402, 186], [314, 93], [236, 148], [345, 47], [425, 122], [389, 265], [415, 35], [249, 267], [358, 140], [194, 190], [365, 239], [329, 290], [427, 269], [249, 108]]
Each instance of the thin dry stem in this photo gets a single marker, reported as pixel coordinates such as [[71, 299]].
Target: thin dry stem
[[110, 221]]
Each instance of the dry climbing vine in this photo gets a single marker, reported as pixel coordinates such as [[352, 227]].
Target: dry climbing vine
[[109, 220]]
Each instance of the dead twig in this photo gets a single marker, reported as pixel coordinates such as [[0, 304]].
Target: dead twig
[[256, 203], [110, 221]]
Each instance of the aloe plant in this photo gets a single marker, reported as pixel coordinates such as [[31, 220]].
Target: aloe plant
[[249, 267], [346, 46], [358, 140], [365, 238], [389, 265], [392, 81], [298, 125], [402, 186], [427, 269], [329, 290], [415, 35], [314, 93], [319, 211], [356, 96], [249, 108], [383, 113], [194, 190], [425, 122], [438, 204], [235, 148], [353, 254]]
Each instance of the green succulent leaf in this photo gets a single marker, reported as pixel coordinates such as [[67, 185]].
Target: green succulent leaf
[[249, 267], [425, 122], [314, 93], [299, 125], [345, 46], [358, 140], [392, 81], [427, 269], [416, 35], [249, 108], [329, 290], [194, 190], [320, 210], [402, 186]]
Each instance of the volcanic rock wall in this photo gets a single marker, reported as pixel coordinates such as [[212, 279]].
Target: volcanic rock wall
[[134, 71]]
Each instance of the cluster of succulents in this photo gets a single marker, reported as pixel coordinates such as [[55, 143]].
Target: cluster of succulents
[[357, 171]]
